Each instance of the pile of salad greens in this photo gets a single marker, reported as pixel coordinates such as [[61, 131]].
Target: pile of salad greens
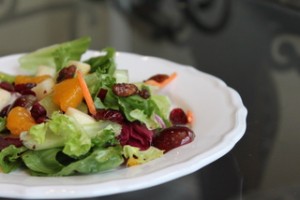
[[75, 142]]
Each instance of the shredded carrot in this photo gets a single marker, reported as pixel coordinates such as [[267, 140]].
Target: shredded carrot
[[164, 83], [153, 83], [86, 93], [190, 116], [169, 79]]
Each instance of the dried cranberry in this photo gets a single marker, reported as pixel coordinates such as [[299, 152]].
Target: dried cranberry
[[124, 89], [24, 86], [173, 137], [159, 77], [41, 119], [7, 86], [136, 134], [102, 94], [28, 92], [38, 112], [178, 116], [66, 73], [25, 101], [109, 114], [6, 141]]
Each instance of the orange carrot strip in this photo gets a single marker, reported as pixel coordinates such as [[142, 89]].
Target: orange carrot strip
[[169, 79], [86, 93], [190, 116], [164, 83], [153, 83]]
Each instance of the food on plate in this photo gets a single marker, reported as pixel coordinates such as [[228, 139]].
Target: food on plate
[[71, 116]]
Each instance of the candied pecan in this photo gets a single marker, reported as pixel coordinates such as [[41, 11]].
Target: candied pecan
[[124, 89]]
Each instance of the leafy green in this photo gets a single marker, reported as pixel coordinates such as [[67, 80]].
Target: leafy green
[[42, 161], [121, 76], [60, 131], [96, 81], [55, 55], [2, 123], [143, 110], [161, 105], [139, 156], [63, 131], [47, 162], [134, 102], [10, 158], [149, 121], [76, 140], [105, 138], [6, 77], [101, 159], [95, 129], [103, 64]]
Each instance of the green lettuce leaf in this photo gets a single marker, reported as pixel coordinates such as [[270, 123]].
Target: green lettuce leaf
[[52, 162], [96, 81], [100, 159], [63, 131], [149, 121], [162, 106], [55, 55], [2, 123], [139, 157], [6, 77], [103, 64], [60, 131], [10, 158], [42, 161], [143, 110]]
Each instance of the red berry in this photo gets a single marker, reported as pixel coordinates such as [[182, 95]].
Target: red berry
[[38, 112], [25, 101], [66, 73], [173, 137], [7, 86], [102, 94], [178, 116]]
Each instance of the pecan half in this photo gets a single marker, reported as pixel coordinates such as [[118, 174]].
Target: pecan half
[[124, 89]]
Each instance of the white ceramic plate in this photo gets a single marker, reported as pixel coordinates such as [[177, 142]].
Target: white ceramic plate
[[220, 121]]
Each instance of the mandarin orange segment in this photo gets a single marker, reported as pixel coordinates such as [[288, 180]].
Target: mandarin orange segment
[[19, 119], [21, 79], [67, 93]]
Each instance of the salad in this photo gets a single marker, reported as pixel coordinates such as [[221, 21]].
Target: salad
[[70, 116]]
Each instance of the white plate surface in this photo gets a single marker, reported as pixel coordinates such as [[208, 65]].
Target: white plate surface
[[220, 122]]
